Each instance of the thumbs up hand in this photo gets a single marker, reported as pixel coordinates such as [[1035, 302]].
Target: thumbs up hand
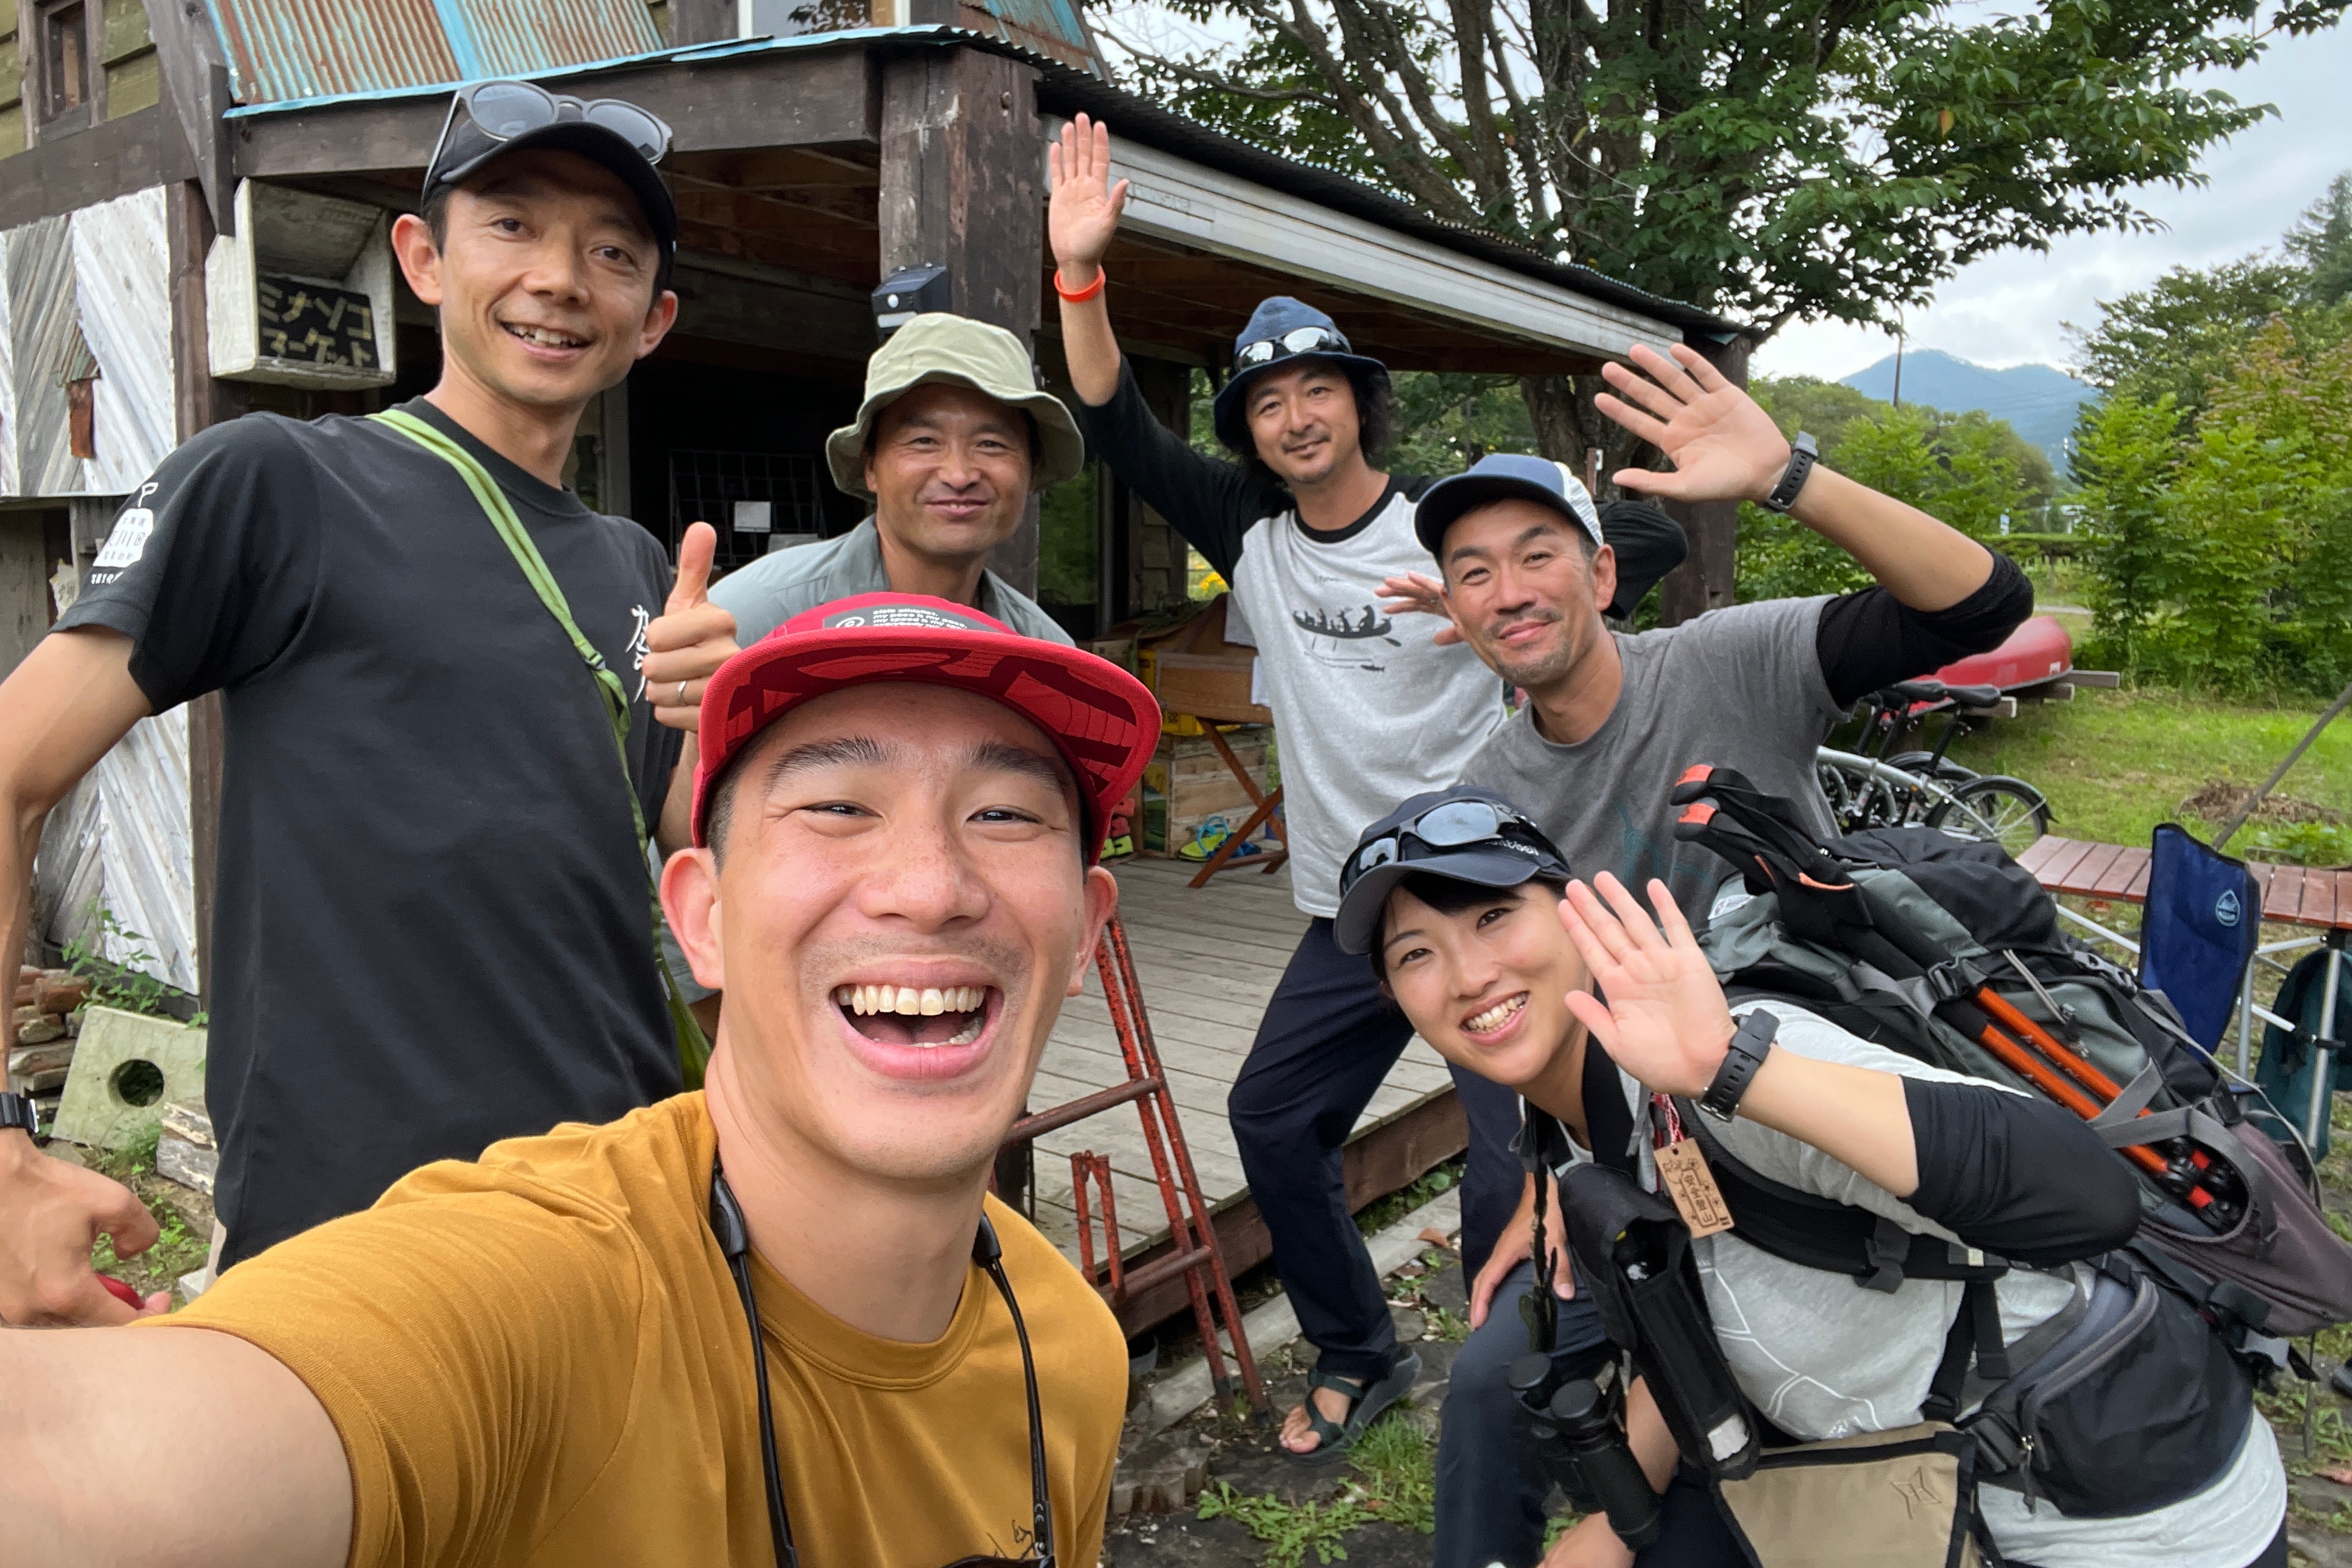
[[691, 637]]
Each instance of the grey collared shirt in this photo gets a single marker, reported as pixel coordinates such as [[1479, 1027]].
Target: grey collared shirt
[[771, 590]]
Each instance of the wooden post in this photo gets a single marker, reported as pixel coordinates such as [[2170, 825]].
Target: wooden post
[[701, 21], [963, 156], [198, 401], [1704, 581]]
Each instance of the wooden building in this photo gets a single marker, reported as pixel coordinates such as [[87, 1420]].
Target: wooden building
[[173, 172]]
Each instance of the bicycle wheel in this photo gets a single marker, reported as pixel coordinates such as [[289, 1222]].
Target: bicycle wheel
[[2014, 811]]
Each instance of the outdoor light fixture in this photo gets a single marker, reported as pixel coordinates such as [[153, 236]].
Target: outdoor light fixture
[[909, 292]]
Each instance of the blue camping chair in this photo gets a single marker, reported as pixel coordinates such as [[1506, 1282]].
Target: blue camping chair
[[2198, 931]]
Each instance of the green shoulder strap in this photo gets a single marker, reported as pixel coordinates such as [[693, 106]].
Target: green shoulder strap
[[693, 1050]]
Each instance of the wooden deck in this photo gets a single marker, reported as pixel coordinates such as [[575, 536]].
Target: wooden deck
[[1207, 960]]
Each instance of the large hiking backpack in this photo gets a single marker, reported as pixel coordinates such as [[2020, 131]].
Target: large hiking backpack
[[1945, 950]]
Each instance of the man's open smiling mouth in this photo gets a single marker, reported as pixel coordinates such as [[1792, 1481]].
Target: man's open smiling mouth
[[544, 337], [924, 1016]]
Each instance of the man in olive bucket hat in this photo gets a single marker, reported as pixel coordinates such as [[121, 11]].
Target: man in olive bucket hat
[[951, 441]]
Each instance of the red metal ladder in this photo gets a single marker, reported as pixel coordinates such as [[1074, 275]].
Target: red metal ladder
[[1192, 1248]]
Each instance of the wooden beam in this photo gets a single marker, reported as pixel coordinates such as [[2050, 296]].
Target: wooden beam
[[197, 92], [113, 158], [1384, 1160], [198, 402], [812, 97], [1707, 577], [701, 21], [962, 153], [765, 314]]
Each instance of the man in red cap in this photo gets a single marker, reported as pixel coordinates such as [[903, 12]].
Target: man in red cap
[[544, 1355]]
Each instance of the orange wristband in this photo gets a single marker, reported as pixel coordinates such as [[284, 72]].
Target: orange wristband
[[1080, 296]]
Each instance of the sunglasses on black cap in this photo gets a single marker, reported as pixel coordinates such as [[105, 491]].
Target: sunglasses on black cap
[[1452, 824], [1297, 341], [503, 110]]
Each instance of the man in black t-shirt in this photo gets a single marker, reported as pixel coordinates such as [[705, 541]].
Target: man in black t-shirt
[[431, 924]]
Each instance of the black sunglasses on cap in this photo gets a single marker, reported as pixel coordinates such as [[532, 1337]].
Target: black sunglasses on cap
[[1449, 824], [1297, 341], [503, 110]]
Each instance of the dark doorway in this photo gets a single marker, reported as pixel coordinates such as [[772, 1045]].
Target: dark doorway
[[739, 449]]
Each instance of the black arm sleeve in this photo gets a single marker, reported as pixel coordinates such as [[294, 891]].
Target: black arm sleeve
[[2017, 1176], [1211, 503], [1871, 640]]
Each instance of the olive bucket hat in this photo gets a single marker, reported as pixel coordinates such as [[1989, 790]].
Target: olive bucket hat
[[940, 347]]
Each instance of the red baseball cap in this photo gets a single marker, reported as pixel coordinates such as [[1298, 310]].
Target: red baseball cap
[[1104, 722]]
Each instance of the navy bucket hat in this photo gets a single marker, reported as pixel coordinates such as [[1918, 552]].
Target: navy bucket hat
[[1280, 330]]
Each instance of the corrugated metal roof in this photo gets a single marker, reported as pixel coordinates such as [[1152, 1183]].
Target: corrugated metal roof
[[1050, 27], [1066, 90], [286, 49]]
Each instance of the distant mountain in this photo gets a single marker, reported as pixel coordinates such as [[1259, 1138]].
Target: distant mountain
[[2038, 401]]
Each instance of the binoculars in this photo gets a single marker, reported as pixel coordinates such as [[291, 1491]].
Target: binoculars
[[1579, 1432]]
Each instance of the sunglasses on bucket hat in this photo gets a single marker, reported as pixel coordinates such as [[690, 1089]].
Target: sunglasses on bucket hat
[[734, 1237], [1447, 825], [1297, 341], [503, 110]]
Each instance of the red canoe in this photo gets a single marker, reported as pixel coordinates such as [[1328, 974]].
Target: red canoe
[[2037, 651]]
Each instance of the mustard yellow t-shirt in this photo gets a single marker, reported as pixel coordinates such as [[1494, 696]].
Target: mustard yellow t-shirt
[[540, 1358]]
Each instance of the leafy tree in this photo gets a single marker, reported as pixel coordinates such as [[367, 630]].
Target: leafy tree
[[2322, 240], [1817, 158], [1808, 403], [1965, 469], [2223, 557], [2181, 333], [1448, 421], [2124, 453]]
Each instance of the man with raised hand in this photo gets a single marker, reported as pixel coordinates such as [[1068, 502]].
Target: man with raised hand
[[1611, 719], [427, 834], [953, 437], [777, 1320], [1369, 708]]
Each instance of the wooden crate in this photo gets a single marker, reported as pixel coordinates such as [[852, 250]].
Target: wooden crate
[[1193, 782], [1196, 673]]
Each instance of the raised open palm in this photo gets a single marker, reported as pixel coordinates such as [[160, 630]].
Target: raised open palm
[[1083, 211], [1722, 445], [1666, 1020]]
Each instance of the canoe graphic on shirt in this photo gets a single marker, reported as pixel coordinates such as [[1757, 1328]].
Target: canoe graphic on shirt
[[1346, 632]]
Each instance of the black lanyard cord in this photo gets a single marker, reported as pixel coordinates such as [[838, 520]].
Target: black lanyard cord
[[734, 1236], [735, 1241], [1043, 1513]]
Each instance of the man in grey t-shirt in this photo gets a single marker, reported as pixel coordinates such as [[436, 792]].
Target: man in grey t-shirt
[[1611, 720], [952, 438]]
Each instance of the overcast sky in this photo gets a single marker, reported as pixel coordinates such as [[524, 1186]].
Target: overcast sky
[[2009, 309]]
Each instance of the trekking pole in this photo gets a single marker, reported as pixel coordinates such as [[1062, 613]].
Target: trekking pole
[[2066, 1094], [2343, 701], [2046, 1079]]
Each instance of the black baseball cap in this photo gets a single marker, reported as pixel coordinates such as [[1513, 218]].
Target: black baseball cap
[[495, 117], [1466, 834]]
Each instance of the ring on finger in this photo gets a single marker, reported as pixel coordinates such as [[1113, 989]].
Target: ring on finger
[[681, 694]]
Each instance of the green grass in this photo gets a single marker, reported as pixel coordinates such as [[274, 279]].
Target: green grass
[[1394, 1481], [2116, 764]]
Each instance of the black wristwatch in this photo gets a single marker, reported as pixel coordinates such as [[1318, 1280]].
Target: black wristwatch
[[18, 1110], [1802, 455], [1749, 1045]]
